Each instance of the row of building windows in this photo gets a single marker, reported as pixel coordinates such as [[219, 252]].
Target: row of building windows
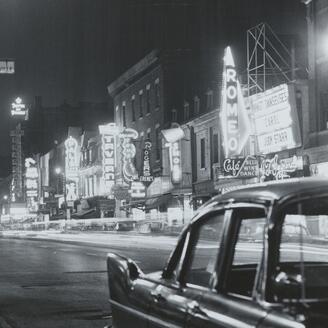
[[144, 106]]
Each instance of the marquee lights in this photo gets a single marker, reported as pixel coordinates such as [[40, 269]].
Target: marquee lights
[[71, 168], [234, 118]]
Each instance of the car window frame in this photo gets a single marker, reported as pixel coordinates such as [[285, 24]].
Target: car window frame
[[193, 234], [232, 238], [274, 239]]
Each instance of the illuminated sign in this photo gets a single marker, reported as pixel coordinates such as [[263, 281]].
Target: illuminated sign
[[7, 66], [19, 109], [128, 153], [109, 133], [137, 190], [175, 161], [31, 175], [147, 177], [234, 117], [71, 168], [275, 169], [276, 120], [72, 160], [241, 167]]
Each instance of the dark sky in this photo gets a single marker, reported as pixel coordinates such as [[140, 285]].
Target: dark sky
[[72, 49]]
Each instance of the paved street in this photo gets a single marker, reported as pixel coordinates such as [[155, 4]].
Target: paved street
[[50, 284]]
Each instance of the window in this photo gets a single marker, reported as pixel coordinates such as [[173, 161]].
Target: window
[[324, 110], [148, 134], [123, 114], [202, 260], [202, 153], [304, 245], [248, 250], [186, 111], [140, 104], [215, 148], [148, 99], [174, 115], [133, 110], [196, 105], [158, 143], [209, 100], [157, 94]]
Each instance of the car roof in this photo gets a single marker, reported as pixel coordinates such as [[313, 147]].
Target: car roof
[[270, 191]]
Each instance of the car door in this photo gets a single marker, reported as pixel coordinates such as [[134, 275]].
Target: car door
[[173, 298], [231, 302]]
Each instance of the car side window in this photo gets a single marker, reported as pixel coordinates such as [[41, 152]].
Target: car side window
[[248, 250], [207, 235]]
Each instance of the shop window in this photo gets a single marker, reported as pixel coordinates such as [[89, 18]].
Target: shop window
[[202, 153]]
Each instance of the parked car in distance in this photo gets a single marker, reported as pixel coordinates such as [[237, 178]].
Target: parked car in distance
[[217, 276]]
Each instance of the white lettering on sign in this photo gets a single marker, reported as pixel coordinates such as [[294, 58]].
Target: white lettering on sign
[[138, 190], [175, 161], [109, 133], [275, 127], [234, 117], [276, 141], [146, 176]]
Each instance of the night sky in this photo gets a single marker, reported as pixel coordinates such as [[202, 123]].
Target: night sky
[[70, 50]]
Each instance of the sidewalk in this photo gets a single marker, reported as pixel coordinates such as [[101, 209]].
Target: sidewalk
[[110, 239]]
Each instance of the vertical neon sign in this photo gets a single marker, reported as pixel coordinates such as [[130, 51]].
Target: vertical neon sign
[[234, 118]]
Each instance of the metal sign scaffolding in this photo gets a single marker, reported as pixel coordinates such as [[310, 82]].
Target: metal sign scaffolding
[[269, 62]]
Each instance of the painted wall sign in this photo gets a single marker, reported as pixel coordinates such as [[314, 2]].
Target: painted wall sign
[[241, 167], [128, 154], [109, 134], [147, 178], [234, 117], [275, 169], [276, 119]]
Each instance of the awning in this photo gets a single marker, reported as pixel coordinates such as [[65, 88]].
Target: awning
[[155, 202], [140, 203]]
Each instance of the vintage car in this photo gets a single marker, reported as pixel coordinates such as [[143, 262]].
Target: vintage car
[[226, 278]]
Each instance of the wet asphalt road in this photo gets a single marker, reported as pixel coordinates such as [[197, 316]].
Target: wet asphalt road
[[50, 284]]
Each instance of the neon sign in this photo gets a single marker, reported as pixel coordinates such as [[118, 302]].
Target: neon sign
[[147, 176], [32, 176], [19, 109], [234, 118], [128, 153], [71, 168], [175, 161]]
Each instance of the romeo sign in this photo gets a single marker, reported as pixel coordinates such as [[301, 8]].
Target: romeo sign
[[234, 117]]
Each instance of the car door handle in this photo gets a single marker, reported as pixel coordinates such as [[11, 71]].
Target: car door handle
[[195, 308], [158, 297]]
